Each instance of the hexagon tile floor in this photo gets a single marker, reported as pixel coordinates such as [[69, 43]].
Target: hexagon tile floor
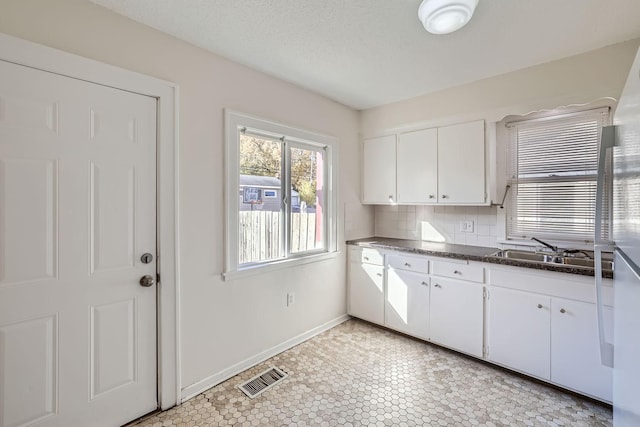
[[358, 374]]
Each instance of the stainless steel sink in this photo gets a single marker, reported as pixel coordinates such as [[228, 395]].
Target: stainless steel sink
[[551, 258], [524, 255]]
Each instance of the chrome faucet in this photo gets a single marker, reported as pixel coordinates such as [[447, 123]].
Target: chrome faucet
[[553, 248], [563, 252]]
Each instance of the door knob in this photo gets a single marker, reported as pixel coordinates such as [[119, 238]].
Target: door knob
[[147, 281]]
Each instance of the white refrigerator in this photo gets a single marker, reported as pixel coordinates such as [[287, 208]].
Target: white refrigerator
[[622, 142]]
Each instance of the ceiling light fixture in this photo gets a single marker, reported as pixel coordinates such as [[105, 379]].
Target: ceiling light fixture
[[445, 16]]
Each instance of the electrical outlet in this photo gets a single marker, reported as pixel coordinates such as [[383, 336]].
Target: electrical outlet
[[466, 226], [291, 299]]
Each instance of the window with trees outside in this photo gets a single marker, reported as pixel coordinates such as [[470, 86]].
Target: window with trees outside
[[280, 203]]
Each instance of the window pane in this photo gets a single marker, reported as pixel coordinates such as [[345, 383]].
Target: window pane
[[553, 171], [260, 216], [307, 200]]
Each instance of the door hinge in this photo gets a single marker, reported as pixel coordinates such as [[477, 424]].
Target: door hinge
[[485, 351]]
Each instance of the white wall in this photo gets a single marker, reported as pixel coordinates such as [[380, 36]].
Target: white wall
[[579, 79], [223, 323]]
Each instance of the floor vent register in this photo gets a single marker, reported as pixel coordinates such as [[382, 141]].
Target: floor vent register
[[262, 382]]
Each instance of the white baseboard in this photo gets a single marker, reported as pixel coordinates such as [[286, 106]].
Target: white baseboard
[[207, 383]]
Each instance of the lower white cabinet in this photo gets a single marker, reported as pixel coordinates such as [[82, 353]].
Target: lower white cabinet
[[518, 330], [407, 302], [542, 324], [575, 351], [457, 315], [366, 289], [555, 339]]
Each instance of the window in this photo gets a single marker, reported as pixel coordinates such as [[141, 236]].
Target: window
[[280, 204], [552, 166]]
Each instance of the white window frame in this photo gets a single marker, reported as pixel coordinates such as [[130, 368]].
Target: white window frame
[[235, 122], [502, 215]]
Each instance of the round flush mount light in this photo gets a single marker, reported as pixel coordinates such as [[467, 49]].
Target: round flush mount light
[[445, 16]]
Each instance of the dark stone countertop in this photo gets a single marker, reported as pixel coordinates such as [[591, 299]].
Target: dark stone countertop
[[470, 253]]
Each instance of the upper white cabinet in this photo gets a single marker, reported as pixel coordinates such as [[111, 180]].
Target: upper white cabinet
[[443, 165], [461, 164], [379, 170], [417, 165]]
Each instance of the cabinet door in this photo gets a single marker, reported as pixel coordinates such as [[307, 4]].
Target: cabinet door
[[575, 349], [518, 331], [417, 166], [407, 302], [461, 164], [456, 315], [379, 170], [366, 292]]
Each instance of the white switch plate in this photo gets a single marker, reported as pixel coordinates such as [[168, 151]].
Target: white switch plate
[[466, 226], [291, 299]]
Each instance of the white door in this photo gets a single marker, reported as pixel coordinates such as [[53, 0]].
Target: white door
[[461, 163], [417, 166], [457, 314], [519, 331], [379, 170], [407, 302], [575, 350], [77, 211], [366, 292]]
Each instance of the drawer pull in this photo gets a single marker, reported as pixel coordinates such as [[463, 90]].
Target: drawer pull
[[457, 272], [539, 305], [379, 274], [406, 264], [366, 258], [424, 284], [562, 310], [437, 285]]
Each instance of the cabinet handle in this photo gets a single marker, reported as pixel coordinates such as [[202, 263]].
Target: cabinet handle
[[457, 272], [406, 264], [444, 196], [437, 285], [539, 305], [366, 258], [431, 196], [562, 310], [379, 274], [424, 284]]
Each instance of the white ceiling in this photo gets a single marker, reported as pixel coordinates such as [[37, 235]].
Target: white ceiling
[[366, 53]]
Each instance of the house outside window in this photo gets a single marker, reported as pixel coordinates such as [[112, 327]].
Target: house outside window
[[552, 170], [281, 203]]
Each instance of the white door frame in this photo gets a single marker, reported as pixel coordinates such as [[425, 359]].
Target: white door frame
[[44, 58]]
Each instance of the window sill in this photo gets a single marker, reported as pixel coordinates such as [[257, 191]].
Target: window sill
[[533, 245], [277, 265]]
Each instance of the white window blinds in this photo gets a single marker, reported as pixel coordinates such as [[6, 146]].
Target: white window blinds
[[552, 167]]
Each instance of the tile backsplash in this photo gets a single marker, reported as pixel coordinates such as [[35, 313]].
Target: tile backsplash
[[438, 223]]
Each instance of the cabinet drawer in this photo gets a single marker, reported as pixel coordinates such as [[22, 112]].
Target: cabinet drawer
[[367, 256], [409, 263], [474, 273]]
